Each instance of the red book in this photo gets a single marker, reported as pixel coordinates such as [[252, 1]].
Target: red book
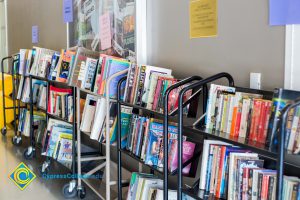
[[265, 186], [99, 81], [256, 121], [261, 123], [220, 172], [157, 92], [267, 119], [245, 182], [256, 108]]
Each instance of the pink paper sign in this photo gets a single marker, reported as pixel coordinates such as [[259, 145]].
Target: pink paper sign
[[105, 31]]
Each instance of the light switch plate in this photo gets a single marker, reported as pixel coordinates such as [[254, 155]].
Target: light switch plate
[[255, 80]]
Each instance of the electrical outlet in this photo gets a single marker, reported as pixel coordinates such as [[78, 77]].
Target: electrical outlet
[[255, 80]]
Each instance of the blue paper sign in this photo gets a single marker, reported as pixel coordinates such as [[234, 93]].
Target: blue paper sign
[[35, 34], [68, 11], [283, 12]]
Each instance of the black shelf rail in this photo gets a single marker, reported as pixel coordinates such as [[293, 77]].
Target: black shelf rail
[[200, 83], [164, 171]]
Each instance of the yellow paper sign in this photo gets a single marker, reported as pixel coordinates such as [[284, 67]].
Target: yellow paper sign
[[203, 18]]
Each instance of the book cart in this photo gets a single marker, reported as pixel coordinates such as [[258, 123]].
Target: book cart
[[261, 149], [165, 173], [17, 139], [69, 189], [103, 190], [198, 129]]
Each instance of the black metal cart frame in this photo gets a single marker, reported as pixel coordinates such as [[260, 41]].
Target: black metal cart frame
[[165, 115], [30, 151], [16, 140]]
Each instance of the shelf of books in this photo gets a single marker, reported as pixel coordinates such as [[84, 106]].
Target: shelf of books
[[243, 126], [240, 142], [235, 141]]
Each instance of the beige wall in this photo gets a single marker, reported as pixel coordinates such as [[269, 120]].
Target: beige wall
[[47, 14], [245, 42]]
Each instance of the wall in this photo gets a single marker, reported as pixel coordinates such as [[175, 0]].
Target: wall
[[22, 15], [245, 42]]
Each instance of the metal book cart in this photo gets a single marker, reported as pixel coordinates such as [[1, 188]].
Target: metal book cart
[[17, 139], [164, 172], [102, 190], [69, 189], [261, 149]]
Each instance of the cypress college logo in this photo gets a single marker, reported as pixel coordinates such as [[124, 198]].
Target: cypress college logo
[[22, 176]]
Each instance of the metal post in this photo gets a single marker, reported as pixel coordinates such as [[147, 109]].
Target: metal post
[[14, 96], [119, 133], [3, 89], [78, 138], [74, 133], [31, 112], [107, 129]]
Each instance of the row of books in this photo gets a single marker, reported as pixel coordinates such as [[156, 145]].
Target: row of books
[[93, 115], [230, 172], [148, 186], [60, 103], [57, 142], [146, 86], [145, 140], [238, 114], [24, 121], [248, 115], [39, 92], [76, 66]]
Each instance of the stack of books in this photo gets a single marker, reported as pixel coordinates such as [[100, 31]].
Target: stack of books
[[235, 173], [39, 92], [60, 103], [57, 142], [39, 118]]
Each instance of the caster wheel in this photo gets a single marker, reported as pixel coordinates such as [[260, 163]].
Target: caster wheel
[[29, 154], [3, 131], [43, 171], [81, 193], [69, 194], [17, 140]]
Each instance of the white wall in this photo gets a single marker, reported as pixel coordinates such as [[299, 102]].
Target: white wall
[[245, 43]]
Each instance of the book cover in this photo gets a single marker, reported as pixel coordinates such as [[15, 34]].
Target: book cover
[[155, 138]]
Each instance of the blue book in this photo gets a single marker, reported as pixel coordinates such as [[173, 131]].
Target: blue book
[[154, 143], [140, 136], [54, 136]]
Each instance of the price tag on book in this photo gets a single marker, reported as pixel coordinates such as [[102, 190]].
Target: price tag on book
[[68, 11], [35, 34]]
